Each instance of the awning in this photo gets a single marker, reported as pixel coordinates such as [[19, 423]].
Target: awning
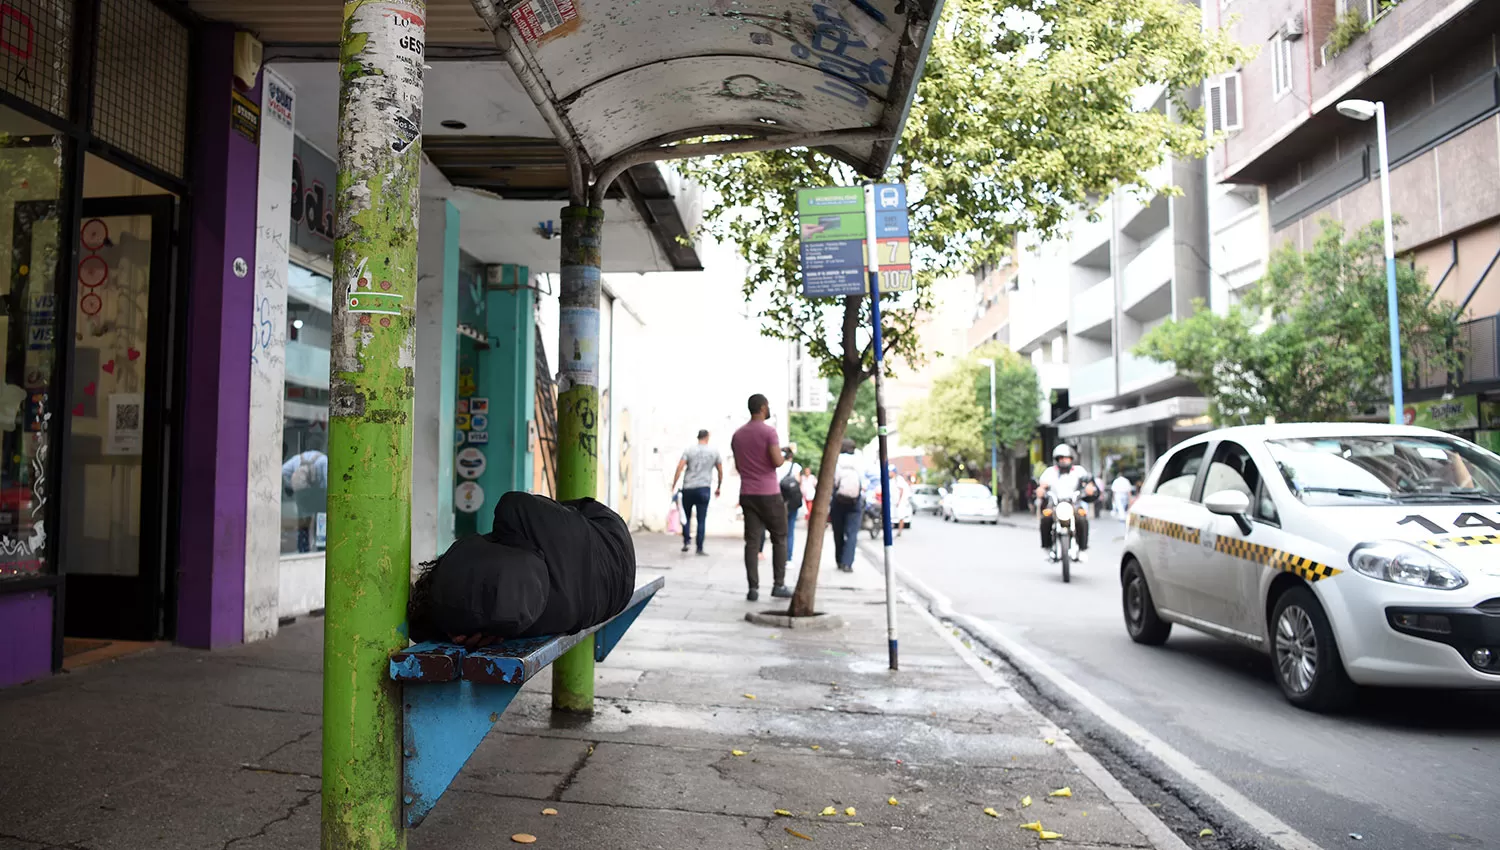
[[1181, 407]]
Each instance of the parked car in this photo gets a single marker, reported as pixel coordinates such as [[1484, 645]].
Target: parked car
[[1351, 554], [926, 499], [970, 501]]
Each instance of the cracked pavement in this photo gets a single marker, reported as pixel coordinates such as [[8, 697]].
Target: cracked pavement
[[177, 748]]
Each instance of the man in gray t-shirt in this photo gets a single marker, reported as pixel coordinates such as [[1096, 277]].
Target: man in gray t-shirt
[[699, 462]]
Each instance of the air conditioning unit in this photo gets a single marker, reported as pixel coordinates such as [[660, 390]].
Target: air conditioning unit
[[1293, 28]]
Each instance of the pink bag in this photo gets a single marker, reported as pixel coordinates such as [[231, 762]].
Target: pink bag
[[674, 521]]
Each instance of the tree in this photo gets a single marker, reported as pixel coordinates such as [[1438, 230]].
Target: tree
[[954, 423], [1025, 111], [1311, 340], [810, 430]]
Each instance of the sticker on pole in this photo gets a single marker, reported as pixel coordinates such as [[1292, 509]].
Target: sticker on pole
[[468, 498], [893, 238], [470, 463], [539, 19], [831, 222]]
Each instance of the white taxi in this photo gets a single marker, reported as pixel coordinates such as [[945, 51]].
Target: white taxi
[[1350, 553]]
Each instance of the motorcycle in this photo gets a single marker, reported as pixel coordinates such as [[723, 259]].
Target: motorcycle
[[1064, 512], [872, 520]]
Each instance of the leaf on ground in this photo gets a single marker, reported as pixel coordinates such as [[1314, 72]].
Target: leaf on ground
[[795, 833], [850, 811], [549, 811], [1062, 792], [828, 810], [783, 813], [1205, 833], [1049, 836], [991, 812], [749, 696], [892, 802], [1034, 826], [815, 747], [1025, 801], [736, 753], [523, 838], [1048, 741]]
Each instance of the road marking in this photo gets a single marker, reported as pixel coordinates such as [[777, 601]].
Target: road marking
[[1236, 803]]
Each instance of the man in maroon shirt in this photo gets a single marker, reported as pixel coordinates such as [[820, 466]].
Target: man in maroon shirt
[[757, 454]]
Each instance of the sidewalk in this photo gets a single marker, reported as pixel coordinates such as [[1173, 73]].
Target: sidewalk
[[177, 748]]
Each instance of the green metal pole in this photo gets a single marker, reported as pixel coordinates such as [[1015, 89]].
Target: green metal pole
[[578, 414], [370, 429]]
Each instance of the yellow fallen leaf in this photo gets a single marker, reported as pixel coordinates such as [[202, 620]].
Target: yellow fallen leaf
[[736, 752], [815, 747], [1034, 826], [828, 810], [1049, 836], [549, 811], [793, 832], [749, 696], [1025, 801], [523, 838], [1048, 741], [1062, 792], [892, 802], [991, 812], [850, 812], [1205, 833], [783, 813]]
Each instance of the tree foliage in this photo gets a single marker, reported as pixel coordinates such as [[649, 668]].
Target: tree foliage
[[809, 430], [1311, 340], [1026, 109], [954, 423]]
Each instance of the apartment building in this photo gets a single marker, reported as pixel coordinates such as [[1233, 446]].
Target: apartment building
[[1290, 160], [991, 318]]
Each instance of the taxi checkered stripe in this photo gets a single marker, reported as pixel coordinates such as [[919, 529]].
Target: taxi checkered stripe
[[1276, 559], [1462, 542], [1175, 530]]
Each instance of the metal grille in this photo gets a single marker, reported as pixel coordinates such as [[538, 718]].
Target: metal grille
[[36, 51], [141, 83]]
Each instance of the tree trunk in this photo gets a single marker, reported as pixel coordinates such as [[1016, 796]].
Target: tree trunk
[[804, 597], [1006, 488]]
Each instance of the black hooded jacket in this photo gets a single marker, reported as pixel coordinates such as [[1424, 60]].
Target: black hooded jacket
[[547, 568]]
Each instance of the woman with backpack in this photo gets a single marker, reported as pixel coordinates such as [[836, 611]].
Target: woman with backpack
[[848, 505], [791, 493]]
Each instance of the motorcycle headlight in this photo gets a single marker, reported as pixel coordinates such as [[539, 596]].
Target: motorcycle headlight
[[1400, 562]]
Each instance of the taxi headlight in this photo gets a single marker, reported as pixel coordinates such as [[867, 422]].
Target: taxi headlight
[[1403, 563]]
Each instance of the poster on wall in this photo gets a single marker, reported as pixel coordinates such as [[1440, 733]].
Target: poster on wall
[[320, 531], [468, 497], [1452, 414], [470, 463], [125, 424]]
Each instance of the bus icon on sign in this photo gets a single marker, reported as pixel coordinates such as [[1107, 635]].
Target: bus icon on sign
[[889, 197]]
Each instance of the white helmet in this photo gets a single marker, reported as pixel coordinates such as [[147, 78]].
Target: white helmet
[[1062, 450]]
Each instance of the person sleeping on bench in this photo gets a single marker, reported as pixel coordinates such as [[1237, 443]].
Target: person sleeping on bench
[[546, 568]]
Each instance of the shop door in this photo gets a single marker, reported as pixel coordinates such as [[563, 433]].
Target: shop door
[[115, 463]]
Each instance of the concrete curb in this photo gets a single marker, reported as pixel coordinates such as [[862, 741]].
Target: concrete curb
[[818, 622], [1131, 808]]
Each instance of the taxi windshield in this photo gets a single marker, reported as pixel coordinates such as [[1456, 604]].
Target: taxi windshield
[[1381, 469]]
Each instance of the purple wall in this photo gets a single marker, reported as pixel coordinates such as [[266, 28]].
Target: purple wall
[[25, 636], [216, 428]]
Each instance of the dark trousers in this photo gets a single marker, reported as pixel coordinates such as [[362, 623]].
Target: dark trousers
[[791, 532], [1080, 530], [764, 514], [845, 522], [695, 498]]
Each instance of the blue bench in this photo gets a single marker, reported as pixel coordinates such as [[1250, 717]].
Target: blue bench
[[451, 696]]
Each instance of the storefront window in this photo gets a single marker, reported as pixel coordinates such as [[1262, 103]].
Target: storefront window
[[304, 470], [31, 184]]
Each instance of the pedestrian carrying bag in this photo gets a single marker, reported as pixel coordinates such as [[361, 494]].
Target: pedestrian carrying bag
[[846, 486], [791, 491], [674, 520]]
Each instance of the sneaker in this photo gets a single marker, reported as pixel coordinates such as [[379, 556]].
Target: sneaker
[[1083, 557], [781, 591], [753, 595], [684, 546], [700, 552], [844, 569]]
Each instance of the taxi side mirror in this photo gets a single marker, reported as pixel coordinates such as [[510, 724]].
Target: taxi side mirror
[[1233, 504]]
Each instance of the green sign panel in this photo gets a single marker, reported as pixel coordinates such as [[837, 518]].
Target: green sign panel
[[1454, 414]]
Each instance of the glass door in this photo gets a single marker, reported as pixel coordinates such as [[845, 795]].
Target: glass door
[[115, 451]]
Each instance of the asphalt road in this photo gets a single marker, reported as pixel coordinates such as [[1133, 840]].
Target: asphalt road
[[1408, 770]]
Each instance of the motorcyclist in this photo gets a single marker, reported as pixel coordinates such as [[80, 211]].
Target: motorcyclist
[[1068, 478]]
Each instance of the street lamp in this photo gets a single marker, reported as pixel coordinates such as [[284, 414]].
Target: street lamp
[[1364, 110]]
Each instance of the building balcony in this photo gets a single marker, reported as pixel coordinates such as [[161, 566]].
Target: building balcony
[[1093, 310], [1148, 279], [1088, 245], [1140, 374], [1092, 383], [1036, 314]]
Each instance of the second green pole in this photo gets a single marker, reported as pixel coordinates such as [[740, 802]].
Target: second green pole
[[578, 413]]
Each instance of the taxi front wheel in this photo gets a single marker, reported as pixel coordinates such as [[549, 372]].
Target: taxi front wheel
[[1305, 654], [1141, 619]]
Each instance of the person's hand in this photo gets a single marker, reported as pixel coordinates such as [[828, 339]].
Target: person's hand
[[716, 492]]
